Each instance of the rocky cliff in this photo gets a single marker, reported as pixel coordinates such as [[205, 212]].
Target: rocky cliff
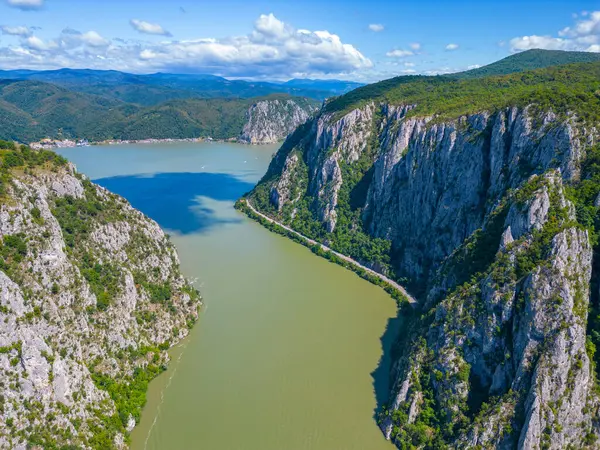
[[91, 297], [270, 121], [490, 215]]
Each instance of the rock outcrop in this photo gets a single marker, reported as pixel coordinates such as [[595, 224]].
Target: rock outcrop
[[479, 220], [271, 120], [91, 297]]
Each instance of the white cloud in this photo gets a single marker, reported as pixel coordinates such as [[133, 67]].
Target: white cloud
[[409, 64], [441, 71], [35, 43], [272, 49], [473, 66], [586, 27], [416, 46], [26, 5], [148, 28], [93, 39], [408, 71], [399, 53], [583, 35], [270, 26], [451, 47], [376, 27], [15, 31], [72, 39]]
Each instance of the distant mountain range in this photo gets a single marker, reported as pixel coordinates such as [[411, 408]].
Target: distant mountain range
[[98, 105], [160, 87], [32, 110]]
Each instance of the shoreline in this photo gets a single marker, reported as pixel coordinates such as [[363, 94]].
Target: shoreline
[[67, 143], [398, 293]]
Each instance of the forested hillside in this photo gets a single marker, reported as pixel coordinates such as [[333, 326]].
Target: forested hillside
[[32, 110]]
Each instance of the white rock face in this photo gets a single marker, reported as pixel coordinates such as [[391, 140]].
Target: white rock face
[[523, 340], [514, 335], [270, 121], [55, 330], [432, 181]]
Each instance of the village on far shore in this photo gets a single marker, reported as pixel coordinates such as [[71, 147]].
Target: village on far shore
[[48, 143]]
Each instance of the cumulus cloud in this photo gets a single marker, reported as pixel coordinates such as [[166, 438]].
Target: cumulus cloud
[[148, 28], [376, 27], [441, 71], [269, 26], [272, 49], [451, 47], [473, 66], [545, 42], [15, 31], [35, 43], [399, 53], [93, 39], [416, 46], [26, 5], [583, 35], [71, 39]]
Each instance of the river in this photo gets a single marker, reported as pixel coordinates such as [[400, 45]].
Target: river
[[286, 354]]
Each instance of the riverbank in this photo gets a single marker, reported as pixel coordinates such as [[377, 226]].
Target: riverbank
[[291, 352], [398, 292], [48, 144]]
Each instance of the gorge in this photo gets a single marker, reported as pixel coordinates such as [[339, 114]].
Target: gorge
[[481, 195], [472, 198], [285, 359]]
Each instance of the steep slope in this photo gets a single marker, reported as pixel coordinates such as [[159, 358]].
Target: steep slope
[[268, 121], [31, 110], [91, 298], [259, 121], [480, 195]]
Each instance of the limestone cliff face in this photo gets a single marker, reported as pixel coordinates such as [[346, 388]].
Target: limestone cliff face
[[513, 337], [432, 181], [270, 121], [90, 298], [478, 219]]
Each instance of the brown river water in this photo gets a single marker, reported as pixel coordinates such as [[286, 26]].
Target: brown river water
[[287, 351]]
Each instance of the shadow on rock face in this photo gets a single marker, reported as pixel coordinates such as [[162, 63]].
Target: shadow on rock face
[[175, 200]]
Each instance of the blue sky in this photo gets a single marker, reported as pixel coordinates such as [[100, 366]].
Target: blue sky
[[277, 39]]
